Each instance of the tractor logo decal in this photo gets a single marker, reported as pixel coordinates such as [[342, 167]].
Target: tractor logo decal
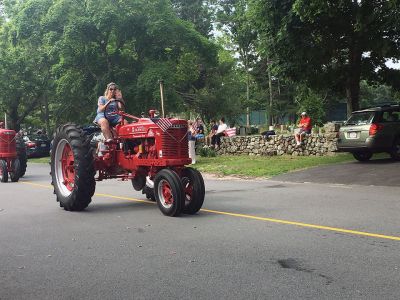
[[139, 129], [150, 133]]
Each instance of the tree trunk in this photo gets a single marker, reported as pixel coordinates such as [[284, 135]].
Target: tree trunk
[[14, 119], [353, 81]]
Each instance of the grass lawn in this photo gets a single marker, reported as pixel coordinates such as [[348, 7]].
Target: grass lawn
[[260, 166], [254, 166], [40, 160]]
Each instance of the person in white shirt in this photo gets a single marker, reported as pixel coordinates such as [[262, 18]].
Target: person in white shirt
[[216, 139]]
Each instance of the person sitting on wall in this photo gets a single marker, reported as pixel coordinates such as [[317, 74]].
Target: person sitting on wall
[[199, 129], [304, 128], [213, 131], [216, 139]]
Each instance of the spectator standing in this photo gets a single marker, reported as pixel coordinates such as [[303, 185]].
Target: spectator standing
[[304, 128], [192, 141], [216, 139]]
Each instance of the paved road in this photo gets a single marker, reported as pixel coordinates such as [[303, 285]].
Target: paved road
[[380, 172], [253, 240]]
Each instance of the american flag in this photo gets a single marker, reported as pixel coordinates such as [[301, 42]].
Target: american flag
[[163, 123], [230, 131]]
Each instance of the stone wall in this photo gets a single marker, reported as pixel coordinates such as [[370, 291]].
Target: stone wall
[[314, 144]]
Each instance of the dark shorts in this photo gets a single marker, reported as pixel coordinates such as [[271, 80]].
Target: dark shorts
[[305, 131]]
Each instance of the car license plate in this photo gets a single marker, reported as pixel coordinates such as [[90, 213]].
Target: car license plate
[[43, 145], [352, 135]]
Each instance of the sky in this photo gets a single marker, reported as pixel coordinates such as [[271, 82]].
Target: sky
[[393, 65]]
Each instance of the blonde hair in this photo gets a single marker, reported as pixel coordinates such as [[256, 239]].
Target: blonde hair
[[108, 88]]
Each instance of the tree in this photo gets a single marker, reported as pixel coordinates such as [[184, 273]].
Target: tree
[[198, 12], [24, 68], [331, 44], [62, 53], [234, 20], [377, 94]]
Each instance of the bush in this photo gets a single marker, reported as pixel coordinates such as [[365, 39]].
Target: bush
[[206, 151]]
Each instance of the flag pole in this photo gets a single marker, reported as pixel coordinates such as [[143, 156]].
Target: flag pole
[[162, 97]]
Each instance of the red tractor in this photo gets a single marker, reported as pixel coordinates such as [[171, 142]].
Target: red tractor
[[147, 150], [9, 162]]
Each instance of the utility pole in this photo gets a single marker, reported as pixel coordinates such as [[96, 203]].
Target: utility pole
[[270, 92], [247, 93], [162, 97], [47, 115]]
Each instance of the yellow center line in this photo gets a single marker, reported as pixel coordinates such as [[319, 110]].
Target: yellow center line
[[278, 221]]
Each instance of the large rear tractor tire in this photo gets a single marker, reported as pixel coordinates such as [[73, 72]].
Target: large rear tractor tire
[[169, 192], [22, 156], [72, 168], [362, 156], [3, 171], [194, 189], [16, 170]]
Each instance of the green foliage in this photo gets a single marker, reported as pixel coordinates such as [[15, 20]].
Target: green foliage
[[207, 152], [197, 12], [323, 43], [62, 53], [372, 95], [312, 103], [56, 56]]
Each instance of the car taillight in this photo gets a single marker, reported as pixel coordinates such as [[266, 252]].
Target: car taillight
[[30, 145], [375, 128]]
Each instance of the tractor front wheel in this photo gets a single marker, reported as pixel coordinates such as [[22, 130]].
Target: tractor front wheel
[[15, 174], [3, 171], [22, 156], [194, 189], [169, 192], [72, 168]]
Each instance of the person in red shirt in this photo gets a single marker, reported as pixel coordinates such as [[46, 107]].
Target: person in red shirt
[[303, 128]]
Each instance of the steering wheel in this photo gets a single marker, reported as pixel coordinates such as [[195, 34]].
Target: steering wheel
[[110, 111]]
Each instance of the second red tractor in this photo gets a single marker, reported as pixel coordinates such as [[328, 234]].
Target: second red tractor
[[12, 159]]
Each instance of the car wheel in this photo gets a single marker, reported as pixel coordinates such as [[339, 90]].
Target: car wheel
[[395, 152], [362, 156]]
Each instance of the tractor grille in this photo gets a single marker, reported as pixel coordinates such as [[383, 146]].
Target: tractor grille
[[175, 143], [7, 141]]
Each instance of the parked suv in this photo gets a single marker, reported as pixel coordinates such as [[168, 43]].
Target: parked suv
[[371, 131]]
